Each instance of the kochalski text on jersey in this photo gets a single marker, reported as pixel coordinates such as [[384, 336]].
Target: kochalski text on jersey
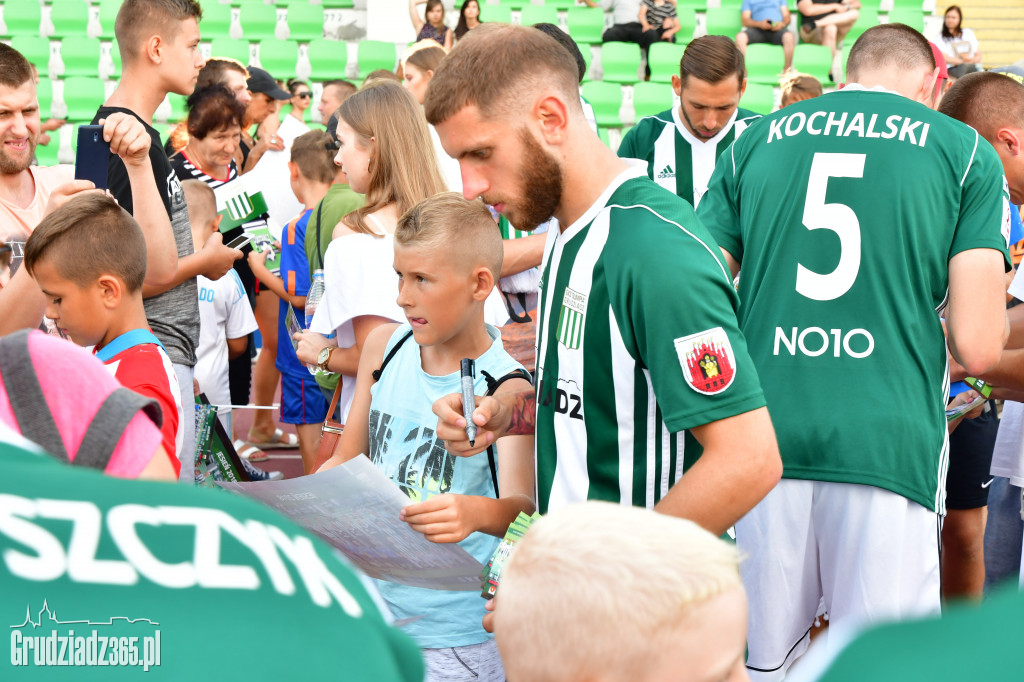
[[843, 124]]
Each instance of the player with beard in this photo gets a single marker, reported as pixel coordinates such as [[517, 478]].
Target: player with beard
[[641, 368], [682, 145]]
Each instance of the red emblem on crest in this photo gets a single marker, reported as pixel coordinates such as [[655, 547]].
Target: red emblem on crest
[[707, 361]]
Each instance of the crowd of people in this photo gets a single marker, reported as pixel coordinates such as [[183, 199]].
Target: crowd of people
[[716, 360]]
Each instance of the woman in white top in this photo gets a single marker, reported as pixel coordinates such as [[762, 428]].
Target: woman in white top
[[959, 45], [387, 155], [418, 68]]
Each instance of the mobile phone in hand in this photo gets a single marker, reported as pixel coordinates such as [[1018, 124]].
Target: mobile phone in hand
[[240, 241], [92, 156]]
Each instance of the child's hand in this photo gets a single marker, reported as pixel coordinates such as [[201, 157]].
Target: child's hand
[[310, 345], [445, 518], [258, 260], [218, 258]]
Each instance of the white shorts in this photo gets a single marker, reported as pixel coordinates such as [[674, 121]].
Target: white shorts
[[869, 554]]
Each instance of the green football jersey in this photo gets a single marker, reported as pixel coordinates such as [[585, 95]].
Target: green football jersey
[[101, 573], [844, 260], [676, 159], [638, 341]]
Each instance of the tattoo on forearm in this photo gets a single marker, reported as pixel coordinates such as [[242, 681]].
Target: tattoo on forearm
[[524, 414]]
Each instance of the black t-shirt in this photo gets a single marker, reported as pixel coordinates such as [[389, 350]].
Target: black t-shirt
[[174, 314]]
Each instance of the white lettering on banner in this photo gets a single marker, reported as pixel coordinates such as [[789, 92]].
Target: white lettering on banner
[[815, 341], [44, 557]]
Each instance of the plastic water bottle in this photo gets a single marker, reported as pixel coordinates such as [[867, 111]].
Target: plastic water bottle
[[316, 292]]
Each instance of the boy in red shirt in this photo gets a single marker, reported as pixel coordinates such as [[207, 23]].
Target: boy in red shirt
[[89, 259]]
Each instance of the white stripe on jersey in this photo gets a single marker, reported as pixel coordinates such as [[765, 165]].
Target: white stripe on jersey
[[665, 155], [623, 366], [571, 479], [971, 161], [940, 487], [680, 451], [666, 459], [652, 424]]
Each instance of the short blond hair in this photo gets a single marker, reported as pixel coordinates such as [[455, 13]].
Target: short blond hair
[[449, 223], [620, 579], [201, 203]]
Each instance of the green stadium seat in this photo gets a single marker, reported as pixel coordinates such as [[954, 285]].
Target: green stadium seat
[[279, 57], [620, 62], [216, 22], [328, 58], [81, 56], [650, 99], [258, 21], [684, 7], [588, 57], [723, 21], [375, 54], [602, 132], [914, 18], [496, 14], [305, 22], [560, 4], [606, 99], [867, 19], [23, 18], [514, 4], [83, 96], [909, 4], [539, 14], [108, 16], [44, 93], [759, 98], [69, 17], [179, 112], [337, 4], [764, 63], [814, 60], [229, 47], [586, 24], [36, 49], [664, 58]]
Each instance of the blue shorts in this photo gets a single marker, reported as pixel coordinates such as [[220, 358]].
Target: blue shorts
[[302, 402]]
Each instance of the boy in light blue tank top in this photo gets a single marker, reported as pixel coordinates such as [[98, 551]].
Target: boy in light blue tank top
[[448, 255]]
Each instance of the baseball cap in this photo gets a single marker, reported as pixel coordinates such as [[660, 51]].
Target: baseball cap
[[332, 130], [261, 81], [940, 60]]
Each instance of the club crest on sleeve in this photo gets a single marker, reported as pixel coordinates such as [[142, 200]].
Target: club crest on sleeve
[[708, 363]]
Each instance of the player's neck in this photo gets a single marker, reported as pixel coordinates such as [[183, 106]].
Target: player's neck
[[310, 193], [587, 170], [906, 84], [18, 188], [471, 341], [138, 93]]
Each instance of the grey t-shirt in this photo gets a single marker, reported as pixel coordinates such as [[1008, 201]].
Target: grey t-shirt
[[173, 315]]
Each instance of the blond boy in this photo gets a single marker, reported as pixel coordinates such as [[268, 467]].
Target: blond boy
[[447, 255], [608, 593]]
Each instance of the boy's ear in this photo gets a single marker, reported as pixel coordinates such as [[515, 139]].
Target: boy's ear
[[293, 170], [152, 48], [215, 222], [111, 291], [483, 282]]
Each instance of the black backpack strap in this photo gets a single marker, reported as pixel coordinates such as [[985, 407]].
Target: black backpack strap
[[107, 427], [513, 315], [387, 358], [319, 253], [31, 411], [492, 386]]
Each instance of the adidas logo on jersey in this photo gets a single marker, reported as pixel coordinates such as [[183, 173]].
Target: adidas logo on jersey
[[667, 172]]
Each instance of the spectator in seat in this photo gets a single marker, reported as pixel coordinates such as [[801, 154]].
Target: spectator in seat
[[766, 21]]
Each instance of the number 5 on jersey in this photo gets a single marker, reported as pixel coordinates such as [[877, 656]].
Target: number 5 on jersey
[[839, 218]]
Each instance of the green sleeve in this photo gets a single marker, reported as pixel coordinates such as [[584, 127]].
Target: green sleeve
[[718, 207], [691, 294], [984, 202]]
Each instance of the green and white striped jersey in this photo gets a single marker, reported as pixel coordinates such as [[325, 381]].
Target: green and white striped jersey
[[844, 259], [676, 159], [638, 342]]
